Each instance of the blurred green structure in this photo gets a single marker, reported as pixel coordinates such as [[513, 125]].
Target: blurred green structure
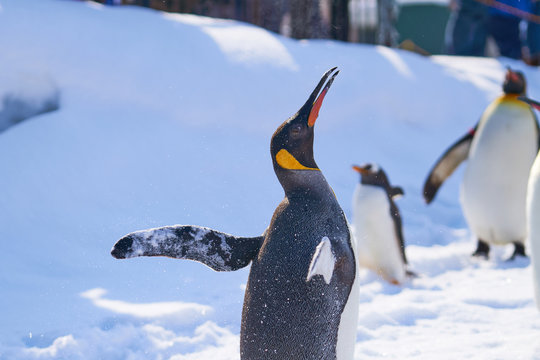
[[424, 24]]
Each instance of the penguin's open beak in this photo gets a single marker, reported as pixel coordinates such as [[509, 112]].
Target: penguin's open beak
[[314, 102], [360, 169], [534, 104]]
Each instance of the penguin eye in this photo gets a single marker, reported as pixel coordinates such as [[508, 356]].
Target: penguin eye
[[295, 131]]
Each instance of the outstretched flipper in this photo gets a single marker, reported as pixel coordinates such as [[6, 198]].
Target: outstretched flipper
[[535, 104], [446, 165], [396, 192], [217, 250]]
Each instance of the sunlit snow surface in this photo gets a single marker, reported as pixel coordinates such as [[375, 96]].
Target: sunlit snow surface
[[167, 119]]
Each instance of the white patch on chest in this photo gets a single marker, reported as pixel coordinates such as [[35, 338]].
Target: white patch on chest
[[323, 261]]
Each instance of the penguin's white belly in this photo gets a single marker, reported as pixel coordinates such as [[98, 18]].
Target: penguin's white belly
[[494, 186], [377, 243], [533, 225]]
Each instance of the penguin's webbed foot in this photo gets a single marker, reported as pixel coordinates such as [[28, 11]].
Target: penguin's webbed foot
[[519, 250], [482, 250]]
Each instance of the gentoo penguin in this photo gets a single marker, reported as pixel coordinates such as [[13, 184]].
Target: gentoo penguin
[[377, 225], [500, 149], [533, 215], [301, 299]]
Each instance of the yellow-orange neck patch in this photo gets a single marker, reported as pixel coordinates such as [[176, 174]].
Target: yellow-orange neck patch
[[287, 161], [511, 99]]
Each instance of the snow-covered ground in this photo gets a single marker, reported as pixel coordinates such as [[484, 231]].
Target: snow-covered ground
[[166, 119]]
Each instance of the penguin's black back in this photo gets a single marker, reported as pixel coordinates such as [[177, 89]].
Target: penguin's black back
[[285, 316]]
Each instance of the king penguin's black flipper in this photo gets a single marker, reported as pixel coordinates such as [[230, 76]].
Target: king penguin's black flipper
[[536, 105], [396, 192], [217, 250], [447, 163]]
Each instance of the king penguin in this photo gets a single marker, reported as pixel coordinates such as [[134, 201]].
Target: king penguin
[[377, 224], [500, 151], [533, 215], [301, 299]]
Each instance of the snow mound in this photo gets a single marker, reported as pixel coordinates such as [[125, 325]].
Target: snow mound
[[24, 94]]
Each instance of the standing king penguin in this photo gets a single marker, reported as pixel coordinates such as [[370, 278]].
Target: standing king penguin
[[378, 226], [533, 215], [500, 151], [301, 299]]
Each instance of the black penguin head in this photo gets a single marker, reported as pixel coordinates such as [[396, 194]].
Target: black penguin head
[[292, 143], [514, 82], [373, 174]]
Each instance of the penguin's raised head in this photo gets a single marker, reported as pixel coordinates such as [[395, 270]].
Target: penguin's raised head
[[292, 143], [373, 174], [514, 82]]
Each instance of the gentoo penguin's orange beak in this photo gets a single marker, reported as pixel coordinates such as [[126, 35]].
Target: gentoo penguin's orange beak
[[534, 104], [316, 105], [359, 169]]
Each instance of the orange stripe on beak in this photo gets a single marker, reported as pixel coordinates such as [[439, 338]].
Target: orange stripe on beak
[[511, 75], [314, 114]]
